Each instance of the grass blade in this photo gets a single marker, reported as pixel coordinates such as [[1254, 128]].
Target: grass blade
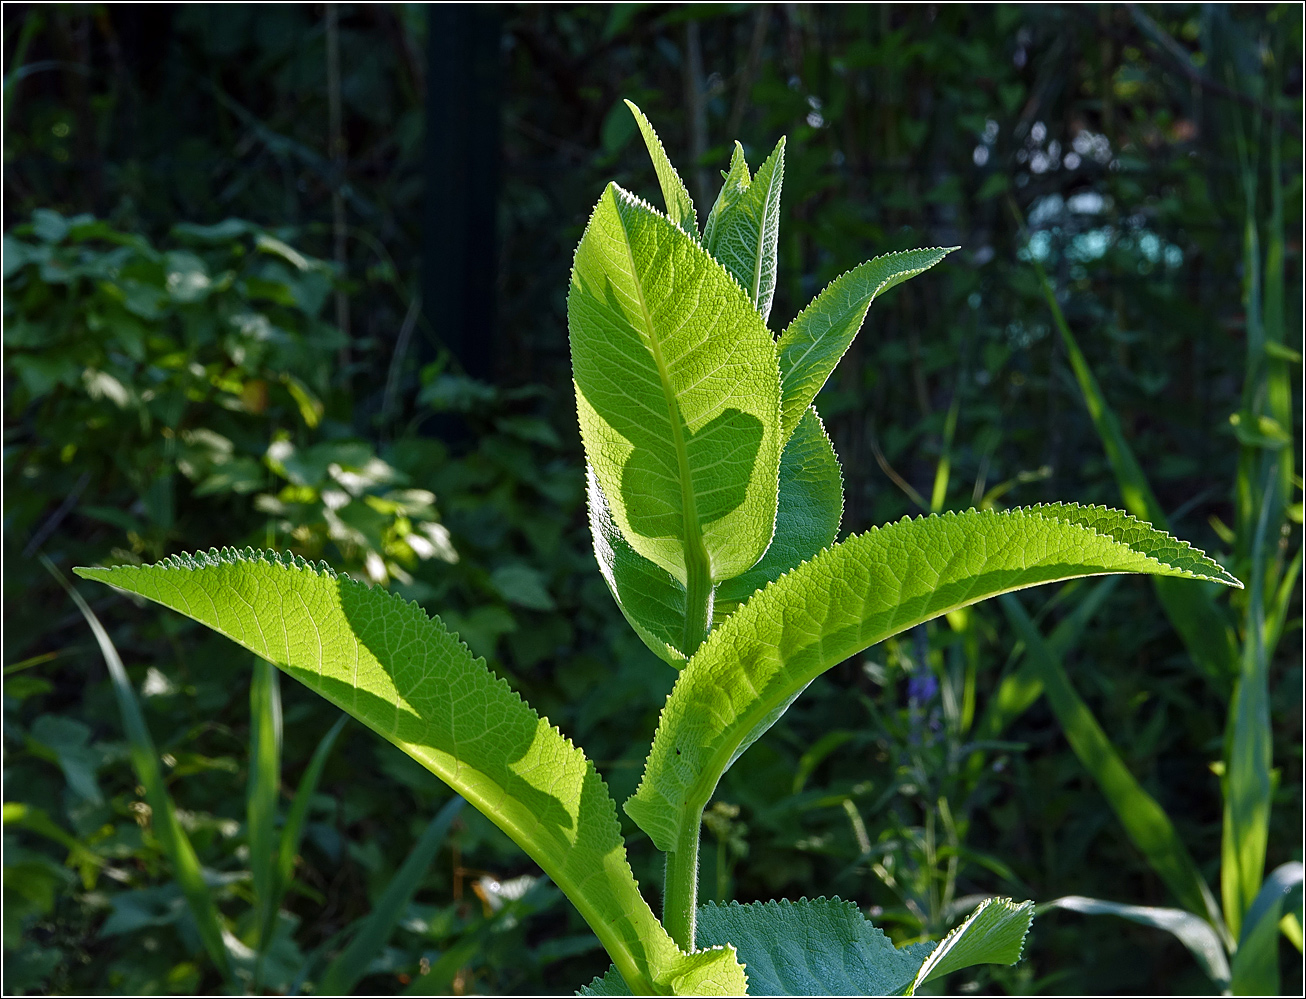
[[293, 832], [1194, 933], [351, 964], [261, 799], [1204, 627], [1256, 963], [1145, 822], [1022, 687], [1248, 782], [145, 760]]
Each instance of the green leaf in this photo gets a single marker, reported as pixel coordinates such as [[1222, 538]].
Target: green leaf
[[1256, 962], [352, 963], [743, 229], [818, 337], [651, 600], [736, 181], [811, 948], [1192, 931], [292, 834], [1248, 782], [827, 947], [263, 791], [680, 206], [677, 391], [993, 934], [852, 596], [406, 677], [808, 513], [1145, 821]]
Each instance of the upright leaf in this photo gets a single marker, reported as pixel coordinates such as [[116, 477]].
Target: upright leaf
[[678, 394], [743, 229], [406, 677], [852, 596], [816, 340], [735, 182], [351, 964], [680, 206], [807, 517]]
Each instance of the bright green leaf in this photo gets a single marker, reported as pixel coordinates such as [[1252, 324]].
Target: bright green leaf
[[743, 229], [809, 510], [677, 390], [815, 341], [405, 676], [680, 206], [852, 596]]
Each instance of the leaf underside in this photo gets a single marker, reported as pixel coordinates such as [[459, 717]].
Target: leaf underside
[[677, 391], [400, 672], [856, 594], [826, 947], [807, 520]]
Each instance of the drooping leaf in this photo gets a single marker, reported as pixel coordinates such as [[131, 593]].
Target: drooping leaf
[[744, 225], [1145, 821], [677, 391], [818, 337], [852, 596], [406, 677], [652, 601], [680, 206], [1192, 931], [807, 516]]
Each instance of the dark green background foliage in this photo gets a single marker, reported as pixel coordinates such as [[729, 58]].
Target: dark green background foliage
[[175, 379]]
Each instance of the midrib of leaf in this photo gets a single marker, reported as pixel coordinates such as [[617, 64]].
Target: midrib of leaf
[[698, 569]]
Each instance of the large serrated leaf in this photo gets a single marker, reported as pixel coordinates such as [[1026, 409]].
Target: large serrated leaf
[[743, 230], [852, 596], [826, 947], [404, 675], [822, 947], [812, 345], [680, 206], [677, 391], [807, 516]]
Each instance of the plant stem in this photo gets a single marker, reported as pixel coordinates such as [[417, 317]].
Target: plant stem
[[698, 597], [680, 889]]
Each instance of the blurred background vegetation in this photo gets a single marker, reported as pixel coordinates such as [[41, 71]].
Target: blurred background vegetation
[[295, 276]]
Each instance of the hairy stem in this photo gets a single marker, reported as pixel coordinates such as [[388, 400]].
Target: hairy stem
[[680, 889], [698, 598]]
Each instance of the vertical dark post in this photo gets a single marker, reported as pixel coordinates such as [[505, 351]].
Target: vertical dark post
[[459, 244]]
